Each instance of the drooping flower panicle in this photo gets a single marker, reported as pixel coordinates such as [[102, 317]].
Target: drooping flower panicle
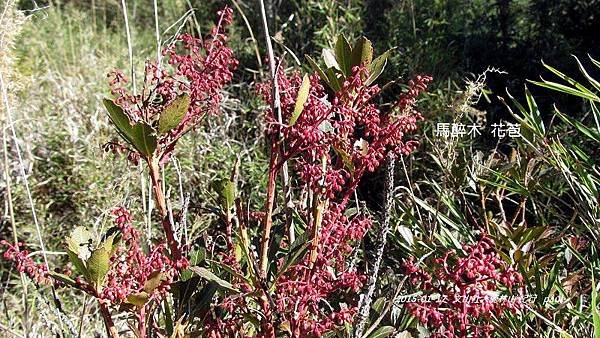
[[461, 292]]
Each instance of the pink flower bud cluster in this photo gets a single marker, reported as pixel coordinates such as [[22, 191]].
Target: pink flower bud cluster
[[117, 149], [302, 291], [131, 267], [205, 69], [461, 292], [350, 131], [24, 263], [197, 67]]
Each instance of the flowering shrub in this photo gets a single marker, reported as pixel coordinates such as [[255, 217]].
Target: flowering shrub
[[332, 136], [171, 103], [330, 128], [117, 270], [461, 293]]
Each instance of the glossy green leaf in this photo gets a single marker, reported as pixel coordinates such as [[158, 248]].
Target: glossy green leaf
[[140, 136], [317, 69], [301, 99], [225, 190], [383, 332], [377, 66], [206, 274], [99, 263], [138, 299], [343, 55], [64, 279], [154, 280], [362, 52], [173, 113]]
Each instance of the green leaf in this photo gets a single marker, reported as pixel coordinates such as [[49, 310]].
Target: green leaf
[[154, 280], [79, 264], [225, 189], [140, 136], [231, 271], [173, 113], [79, 248], [317, 69], [79, 241], [379, 304], [382, 332], [593, 81], [590, 133], [362, 53], [138, 299], [64, 279], [343, 55], [206, 274], [203, 299], [292, 258], [301, 99], [335, 78], [99, 263], [377, 66], [197, 256]]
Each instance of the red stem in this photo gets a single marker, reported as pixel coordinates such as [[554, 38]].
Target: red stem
[[159, 196], [268, 221], [108, 322]]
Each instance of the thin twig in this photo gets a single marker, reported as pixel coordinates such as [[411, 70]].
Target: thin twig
[[276, 108], [129, 46], [365, 305]]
